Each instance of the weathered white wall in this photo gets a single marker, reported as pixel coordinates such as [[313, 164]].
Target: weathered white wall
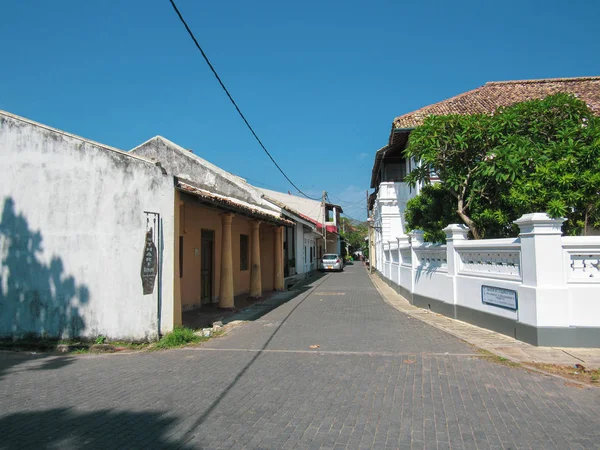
[[72, 236], [185, 164]]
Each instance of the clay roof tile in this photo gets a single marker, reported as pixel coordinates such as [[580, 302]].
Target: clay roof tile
[[487, 98]]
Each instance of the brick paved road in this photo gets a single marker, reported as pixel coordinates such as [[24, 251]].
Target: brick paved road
[[378, 380]]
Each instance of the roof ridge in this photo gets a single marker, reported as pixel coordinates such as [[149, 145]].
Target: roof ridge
[[441, 101], [544, 80], [76, 137], [190, 154]]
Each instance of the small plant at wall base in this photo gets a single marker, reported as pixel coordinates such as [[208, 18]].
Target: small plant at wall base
[[535, 156], [100, 340], [178, 337]]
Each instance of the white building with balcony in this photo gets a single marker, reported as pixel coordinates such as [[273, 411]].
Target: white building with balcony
[[540, 287], [388, 203]]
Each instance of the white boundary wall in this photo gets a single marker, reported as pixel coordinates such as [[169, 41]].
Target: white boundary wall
[[556, 279]]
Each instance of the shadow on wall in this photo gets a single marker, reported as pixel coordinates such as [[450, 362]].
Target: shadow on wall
[[69, 428], [36, 298]]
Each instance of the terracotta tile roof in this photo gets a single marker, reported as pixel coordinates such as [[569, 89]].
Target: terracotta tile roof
[[487, 98], [232, 204]]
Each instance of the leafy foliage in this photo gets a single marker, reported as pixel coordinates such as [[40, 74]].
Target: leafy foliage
[[431, 211], [354, 233], [540, 155]]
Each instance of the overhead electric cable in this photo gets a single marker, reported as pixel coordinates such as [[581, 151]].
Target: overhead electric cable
[[232, 100], [356, 220], [347, 203]]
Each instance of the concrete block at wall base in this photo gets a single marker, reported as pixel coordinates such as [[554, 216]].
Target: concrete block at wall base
[[539, 336], [439, 307]]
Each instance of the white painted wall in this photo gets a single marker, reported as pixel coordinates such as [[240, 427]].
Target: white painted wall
[[581, 259], [388, 218], [72, 235], [557, 279]]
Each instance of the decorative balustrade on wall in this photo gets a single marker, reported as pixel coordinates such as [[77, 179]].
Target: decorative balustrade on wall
[[541, 287]]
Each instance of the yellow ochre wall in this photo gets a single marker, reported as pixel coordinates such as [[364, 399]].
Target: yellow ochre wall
[[241, 278], [193, 218], [267, 256]]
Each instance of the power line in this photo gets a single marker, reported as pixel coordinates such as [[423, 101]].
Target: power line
[[347, 202], [356, 220], [232, 100]]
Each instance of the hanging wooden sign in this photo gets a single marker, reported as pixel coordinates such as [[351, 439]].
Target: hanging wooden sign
[[149, 264]]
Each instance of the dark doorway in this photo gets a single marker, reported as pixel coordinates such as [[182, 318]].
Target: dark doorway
[[206, 268], [289, 252]]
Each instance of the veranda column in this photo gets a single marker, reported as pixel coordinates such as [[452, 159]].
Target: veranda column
[[278, 282], [255, 272], [226, 285]]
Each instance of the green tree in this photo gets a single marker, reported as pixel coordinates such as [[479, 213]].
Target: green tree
[[354, 233], [540, 155], [431, 211]]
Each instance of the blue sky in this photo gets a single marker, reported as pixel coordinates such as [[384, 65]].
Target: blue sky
[[320, 81]]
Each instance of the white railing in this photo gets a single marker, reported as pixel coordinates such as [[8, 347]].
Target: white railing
[[497, 258], [540, 278], [406, 256], [582, 258], [433, 257]]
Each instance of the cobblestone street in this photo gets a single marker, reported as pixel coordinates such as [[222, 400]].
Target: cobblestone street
[[334, 368]]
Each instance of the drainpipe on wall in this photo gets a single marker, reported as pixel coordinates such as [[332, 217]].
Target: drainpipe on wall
[[159, 296], [159, 243]]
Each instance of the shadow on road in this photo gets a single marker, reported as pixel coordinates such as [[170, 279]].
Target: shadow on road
[[34, 361], [247, 309], [68, 428], [302, 289]]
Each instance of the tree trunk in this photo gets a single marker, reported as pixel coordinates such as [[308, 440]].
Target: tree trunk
[[466, 219]]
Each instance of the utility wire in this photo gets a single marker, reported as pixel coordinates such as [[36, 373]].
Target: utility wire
[[356, 220], [346, 203], [232, 100]]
